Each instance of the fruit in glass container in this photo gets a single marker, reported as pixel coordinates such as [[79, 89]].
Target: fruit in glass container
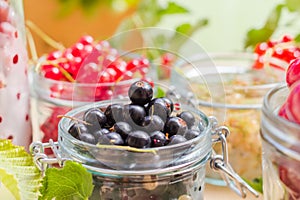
[[138, 139], [137, 126], [140, 93], [175, 126], [158, 139]]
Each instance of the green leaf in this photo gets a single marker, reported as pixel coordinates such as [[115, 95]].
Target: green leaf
[[255, 36], [72, 181], [160, 92], [293, 5], [256, 184], [18, 172], [9, 181], [187, 30], [173, 8], [297, 38]]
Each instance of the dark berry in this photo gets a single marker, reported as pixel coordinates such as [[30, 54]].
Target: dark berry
[[95, 117], [158, 139], [123, 128], [134, 114], [159, 107], [177, 139], [138, 139], [188, 117], [113, 113], [100, 132], [87, 137], [153, 123], [140, 93], [169, 104], [190, 134], [174, 126], [77, 128], [111, 138]]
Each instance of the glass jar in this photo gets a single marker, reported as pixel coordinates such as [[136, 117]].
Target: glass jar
[[233, 92], [15, 121], [168, 172], [281, 153]]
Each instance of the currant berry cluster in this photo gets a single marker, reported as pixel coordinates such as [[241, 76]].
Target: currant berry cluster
[[290, 109], [145, 122], [276, 54], [89, 61]]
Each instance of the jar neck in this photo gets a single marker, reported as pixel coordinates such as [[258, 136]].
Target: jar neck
[[185, 168], [280, 133]]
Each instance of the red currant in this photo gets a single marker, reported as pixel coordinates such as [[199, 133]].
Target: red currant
[[86, 39]]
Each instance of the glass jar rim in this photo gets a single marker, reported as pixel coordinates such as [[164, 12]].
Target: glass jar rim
[[227, 56], [189, 145], [272, 115], [281, 140]]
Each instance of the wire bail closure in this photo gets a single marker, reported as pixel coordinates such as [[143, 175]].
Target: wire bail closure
[[220, 163], [43, 161]]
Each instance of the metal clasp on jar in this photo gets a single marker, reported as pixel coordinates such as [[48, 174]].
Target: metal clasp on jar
[[43, 161], [220, 163]]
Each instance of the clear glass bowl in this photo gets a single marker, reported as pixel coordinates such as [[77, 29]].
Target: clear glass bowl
[[168, 172], [229, 89], [281, 152]]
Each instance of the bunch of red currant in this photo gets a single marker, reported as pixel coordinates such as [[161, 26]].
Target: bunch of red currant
[[89, 62], [276, 54]]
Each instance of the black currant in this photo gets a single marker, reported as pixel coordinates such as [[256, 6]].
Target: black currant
[[134, 114], [140, 93], [95, 117], [153, 123], [100, 132], [175, 126], [191, 133], [111, 138], [123, 128], [138, 139], [169, 104], [188, 117], [77, 128], [177, 139], [87, 137], [158, 139], [158, 107], [113, 113]]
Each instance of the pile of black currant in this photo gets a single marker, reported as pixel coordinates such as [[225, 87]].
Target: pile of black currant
[[145, 122]]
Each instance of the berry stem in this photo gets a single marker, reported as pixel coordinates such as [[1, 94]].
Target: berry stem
[[31, 45], [128, 148], [74, 119], [44, 36], [66, 74]]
